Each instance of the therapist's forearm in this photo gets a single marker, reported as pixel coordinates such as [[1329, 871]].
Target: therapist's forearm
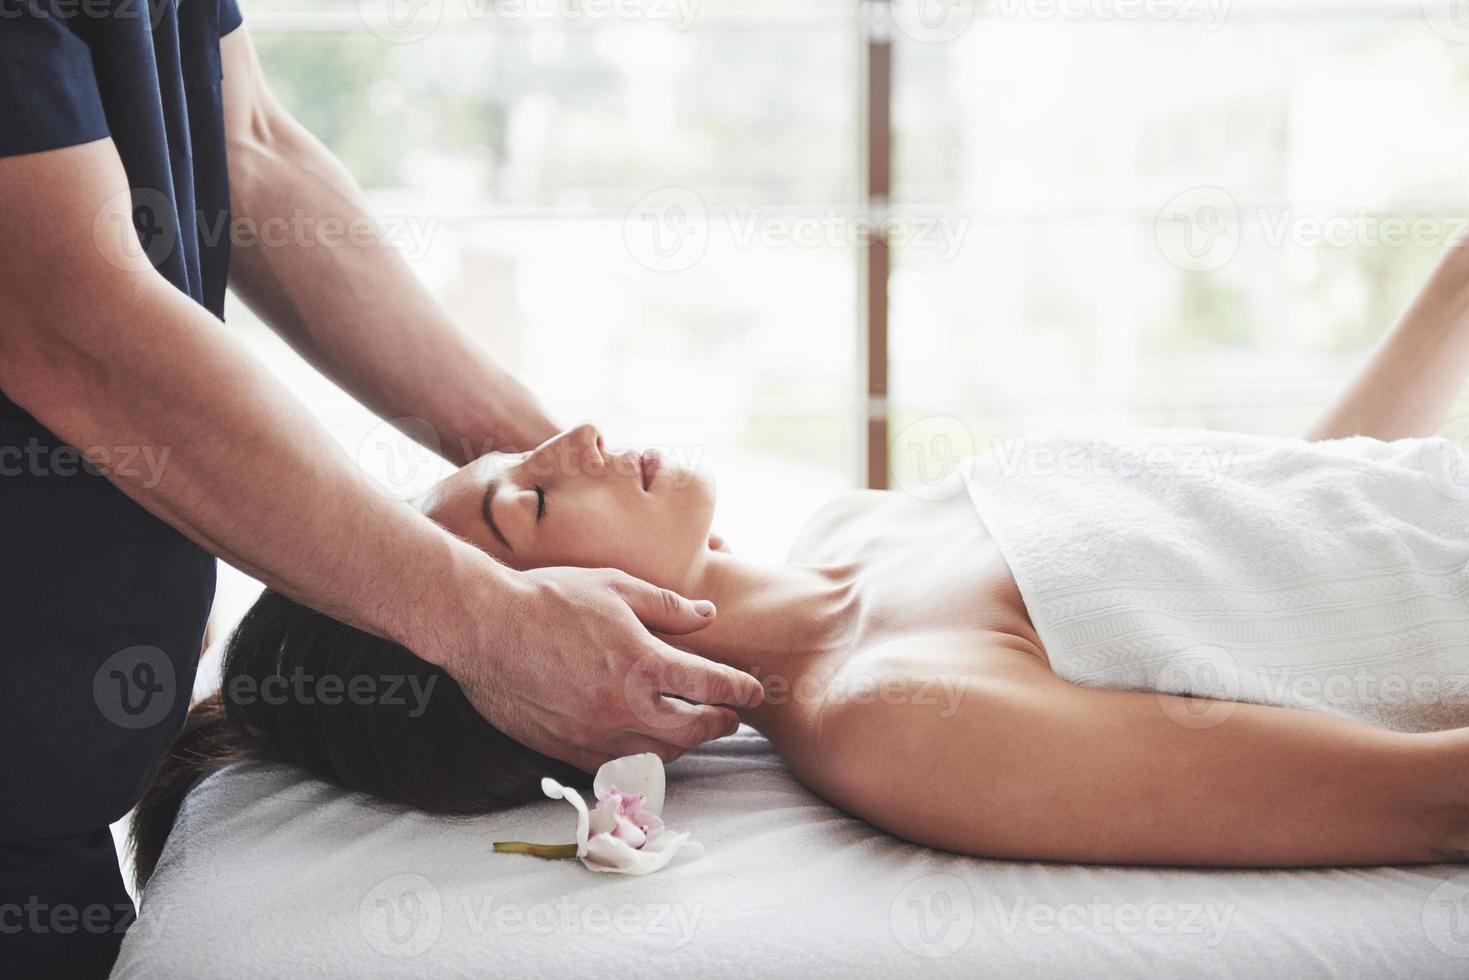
[[348, 303]]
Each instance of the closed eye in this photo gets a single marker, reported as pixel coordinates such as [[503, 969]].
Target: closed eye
[[540, 503]]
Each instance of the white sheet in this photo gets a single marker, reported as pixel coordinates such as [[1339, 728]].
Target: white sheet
[[270, 875]]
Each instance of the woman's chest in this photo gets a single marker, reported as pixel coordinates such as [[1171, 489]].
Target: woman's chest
[[922, 566]]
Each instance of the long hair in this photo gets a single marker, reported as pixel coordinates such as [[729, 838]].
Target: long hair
[[348, 707]]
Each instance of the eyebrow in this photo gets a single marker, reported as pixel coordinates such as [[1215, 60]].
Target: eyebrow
[[489, 514]]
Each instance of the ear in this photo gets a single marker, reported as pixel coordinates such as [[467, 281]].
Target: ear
[[716, 543]]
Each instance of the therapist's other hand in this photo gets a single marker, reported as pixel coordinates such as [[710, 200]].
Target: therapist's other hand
[[572, 670]]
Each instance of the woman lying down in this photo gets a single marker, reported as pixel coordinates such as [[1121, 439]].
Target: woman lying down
[[1148, 647]]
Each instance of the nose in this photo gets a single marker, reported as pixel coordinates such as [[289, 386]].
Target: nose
[[574, 451]]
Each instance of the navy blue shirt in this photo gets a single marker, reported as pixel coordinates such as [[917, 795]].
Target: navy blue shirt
[[102, 606]]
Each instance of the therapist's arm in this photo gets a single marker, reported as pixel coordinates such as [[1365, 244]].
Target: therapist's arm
[[107, 353], [346, 301]]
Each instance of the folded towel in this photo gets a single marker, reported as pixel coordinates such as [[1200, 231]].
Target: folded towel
[[1330, 575]]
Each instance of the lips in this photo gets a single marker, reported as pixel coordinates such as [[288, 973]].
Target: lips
[[648, 465]]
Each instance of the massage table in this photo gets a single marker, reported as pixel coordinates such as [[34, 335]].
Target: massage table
[[271, 874]]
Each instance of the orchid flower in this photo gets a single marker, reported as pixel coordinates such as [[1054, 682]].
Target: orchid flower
[[624, 832]]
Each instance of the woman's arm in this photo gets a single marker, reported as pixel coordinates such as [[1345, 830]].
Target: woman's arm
[[1027, 765], [1415, 375]]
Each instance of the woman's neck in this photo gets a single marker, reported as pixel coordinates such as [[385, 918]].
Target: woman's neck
[[772, 619]]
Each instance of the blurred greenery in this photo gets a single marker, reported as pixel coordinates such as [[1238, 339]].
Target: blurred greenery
[[326, 81]]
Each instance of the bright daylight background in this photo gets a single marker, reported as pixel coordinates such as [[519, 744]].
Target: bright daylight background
[[510, 147]]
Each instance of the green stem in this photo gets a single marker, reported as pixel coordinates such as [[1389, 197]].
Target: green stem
[[551, 852]]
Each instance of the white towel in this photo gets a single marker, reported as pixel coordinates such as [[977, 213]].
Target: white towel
[[1331, 575]]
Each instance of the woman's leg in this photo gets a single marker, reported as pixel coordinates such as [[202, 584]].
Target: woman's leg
[[1416, 373]]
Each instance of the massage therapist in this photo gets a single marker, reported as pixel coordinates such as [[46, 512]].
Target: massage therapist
[[117, 115]]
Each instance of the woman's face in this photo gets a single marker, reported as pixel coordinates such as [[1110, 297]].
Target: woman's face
[[573, 502]]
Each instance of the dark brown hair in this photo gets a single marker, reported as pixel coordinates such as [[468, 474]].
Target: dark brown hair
[[348, 707]]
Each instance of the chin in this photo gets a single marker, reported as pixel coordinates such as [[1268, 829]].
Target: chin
[[691, 496]]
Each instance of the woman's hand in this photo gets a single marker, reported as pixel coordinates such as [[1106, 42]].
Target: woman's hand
[[565, 664]]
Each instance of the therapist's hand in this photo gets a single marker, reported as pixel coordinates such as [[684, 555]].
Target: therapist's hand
[[571, 670]]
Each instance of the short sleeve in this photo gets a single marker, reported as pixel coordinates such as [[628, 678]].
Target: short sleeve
[[48, 90], [229, 16]]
